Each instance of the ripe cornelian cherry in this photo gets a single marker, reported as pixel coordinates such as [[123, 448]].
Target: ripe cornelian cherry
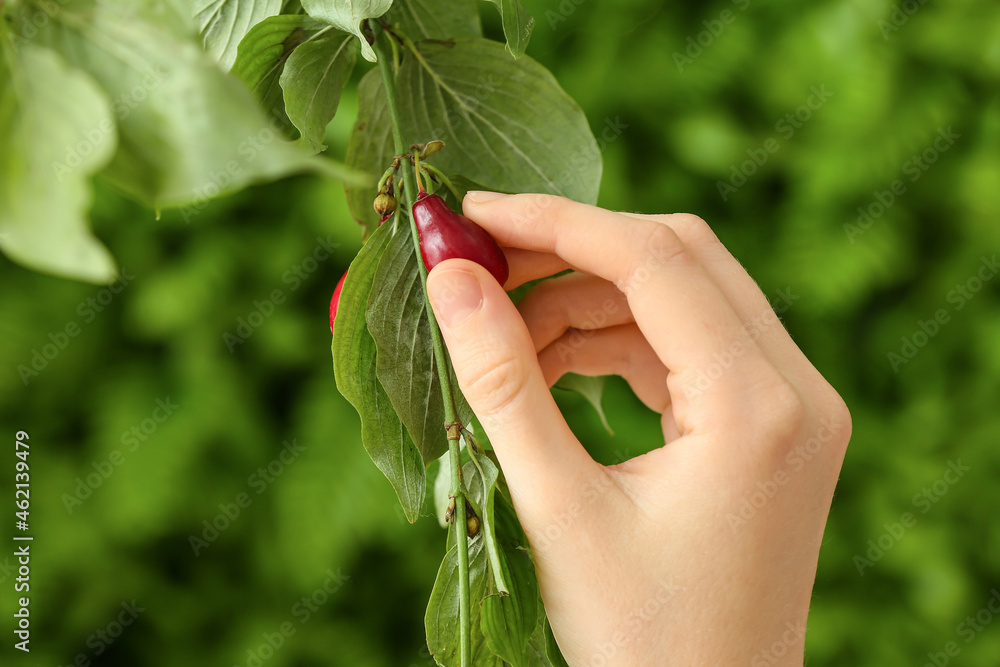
[[335, 301], [445, 234]]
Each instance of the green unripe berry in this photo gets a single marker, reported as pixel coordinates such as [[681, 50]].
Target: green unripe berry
[[385, 205]]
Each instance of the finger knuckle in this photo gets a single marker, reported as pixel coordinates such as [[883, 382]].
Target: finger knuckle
[[693, 229], [657, 245], [495, 386], [540, 308], [803, 420], [535, 205], [782, 411], [657, 238], [541, 293], [836, 416]]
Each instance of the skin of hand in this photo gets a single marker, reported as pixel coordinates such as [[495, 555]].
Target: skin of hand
[[702, 551]]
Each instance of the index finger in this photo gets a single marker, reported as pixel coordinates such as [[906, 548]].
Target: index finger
[[684, 315], [528, 265]]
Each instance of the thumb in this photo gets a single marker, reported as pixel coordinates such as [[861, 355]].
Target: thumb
[[497, 369]]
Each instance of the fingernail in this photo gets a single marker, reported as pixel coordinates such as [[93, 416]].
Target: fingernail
[[455, 296], [483, 196]]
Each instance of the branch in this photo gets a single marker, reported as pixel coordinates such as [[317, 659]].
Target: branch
[[384, 49]]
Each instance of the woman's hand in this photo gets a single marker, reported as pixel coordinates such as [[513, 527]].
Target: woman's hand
[[704, 550]]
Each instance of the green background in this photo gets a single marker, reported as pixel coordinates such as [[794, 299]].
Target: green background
[[855, 294]]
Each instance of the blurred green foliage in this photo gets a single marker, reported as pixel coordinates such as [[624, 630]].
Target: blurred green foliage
[[853, 299]]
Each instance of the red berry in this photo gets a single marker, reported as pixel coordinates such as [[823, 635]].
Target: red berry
[[335, 301], [445, 234]]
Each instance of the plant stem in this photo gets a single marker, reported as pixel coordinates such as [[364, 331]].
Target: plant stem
[[444, 179], [416, 171], [384, 53]]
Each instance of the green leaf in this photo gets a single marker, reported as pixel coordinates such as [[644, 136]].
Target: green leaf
[[312, 80], [338, 171], [486, 448], [509, 620], [262, 54], [517, 25], [442, 489], [463, 186], [397, 319], [507, 124], [188, 131], [56, 130], [441, 620], [542, 647], [223, 24], [370, 148], [347, 15], [535, 651], [552, 652], [436, 19], [479, 477], [354, 355], [591, 388]]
